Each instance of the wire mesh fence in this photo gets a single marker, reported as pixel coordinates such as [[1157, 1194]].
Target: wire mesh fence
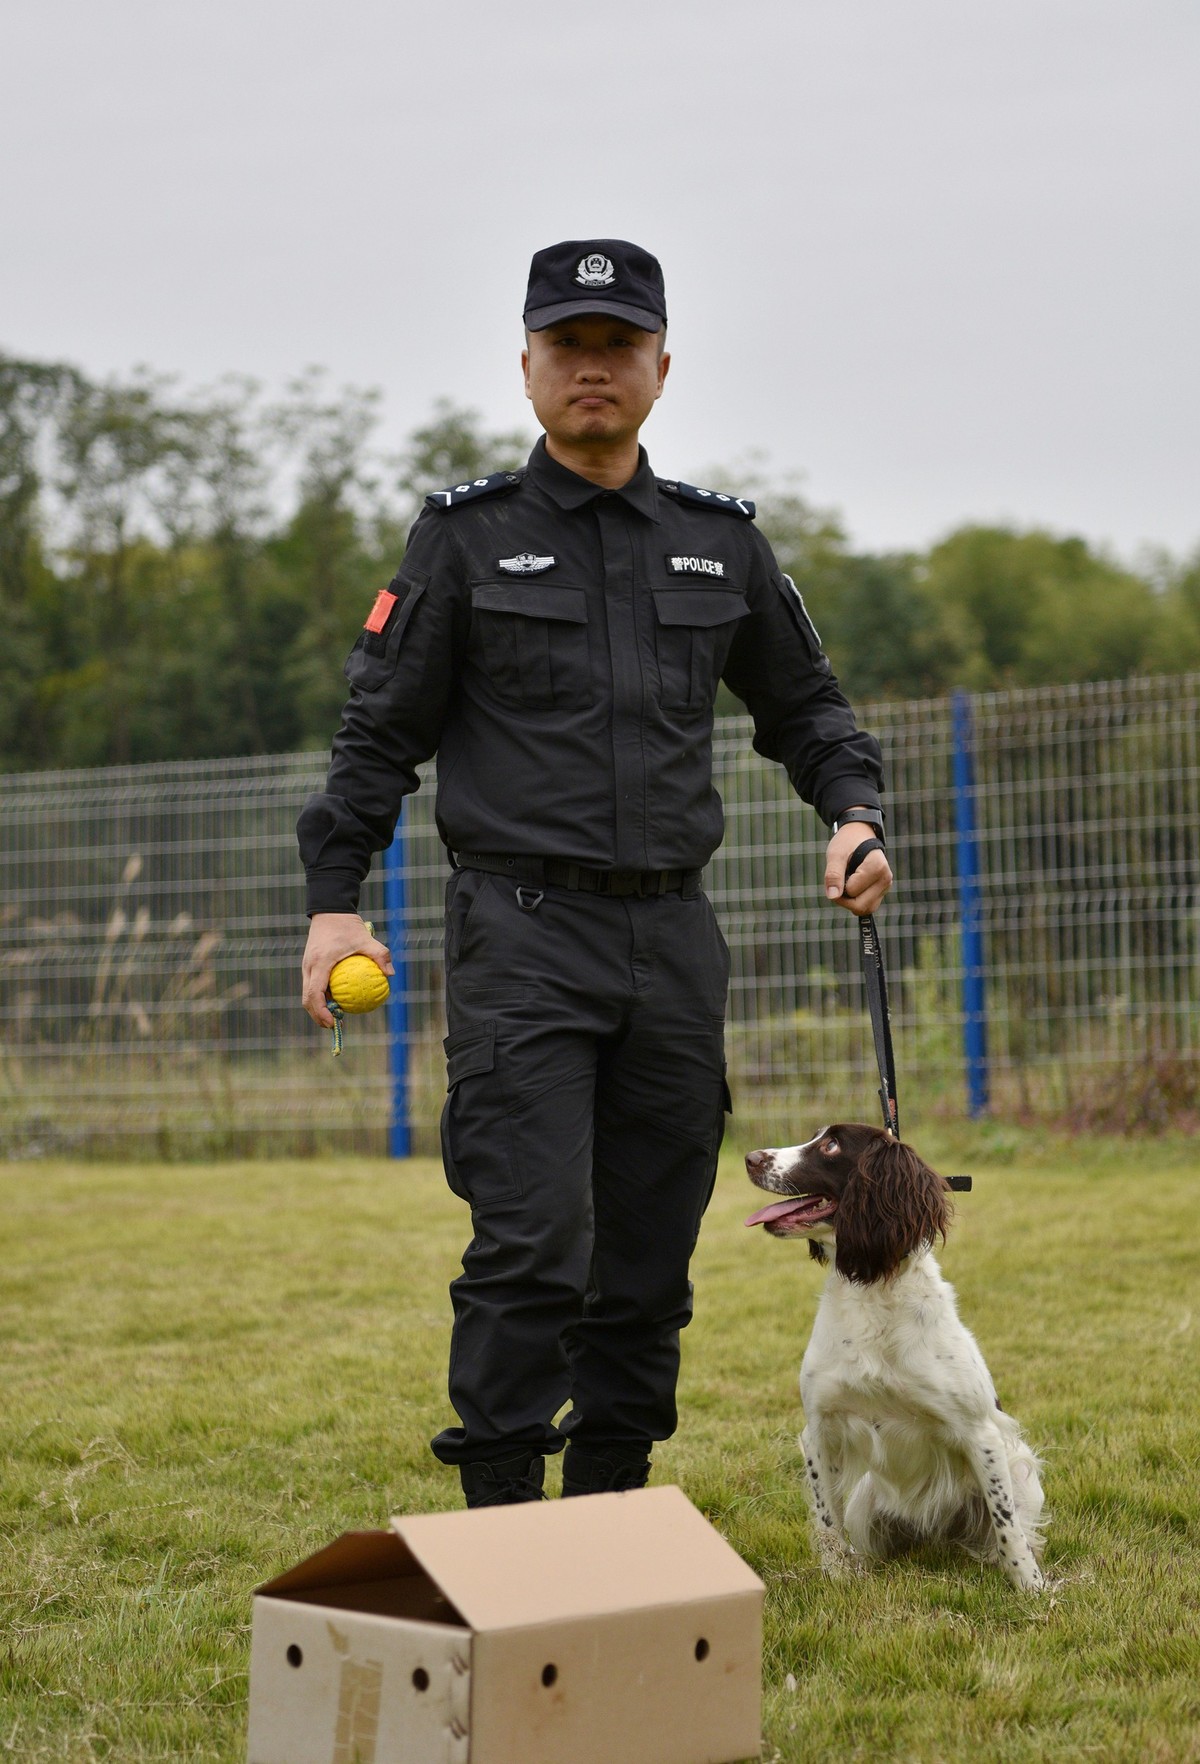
[[151, 929]]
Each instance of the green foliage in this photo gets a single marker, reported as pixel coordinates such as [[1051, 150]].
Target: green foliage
[[1026, 609], [988, 607], [182, 577], [451, 447], [212, 1372], [1175, 643], [874, 623]]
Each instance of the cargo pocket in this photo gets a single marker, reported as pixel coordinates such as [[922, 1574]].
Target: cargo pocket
[[372, 661], [693, 631], [531, 641], [476, 1131]]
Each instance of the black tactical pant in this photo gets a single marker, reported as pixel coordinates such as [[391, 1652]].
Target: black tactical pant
[[584, 1117]]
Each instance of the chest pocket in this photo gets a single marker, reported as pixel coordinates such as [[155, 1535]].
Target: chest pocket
[[531, 640], [694, 627]]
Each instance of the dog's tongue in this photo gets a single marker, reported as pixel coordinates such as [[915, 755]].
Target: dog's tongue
[[778, 1209]]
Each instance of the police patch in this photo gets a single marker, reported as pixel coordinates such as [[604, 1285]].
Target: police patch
[[527, 563], [694, 566]]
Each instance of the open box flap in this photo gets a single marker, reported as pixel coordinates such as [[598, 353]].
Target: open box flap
[[546, 1561], [356, 1556]]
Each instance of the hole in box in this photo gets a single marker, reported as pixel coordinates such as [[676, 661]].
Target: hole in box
[[295, 1656], [420, 1679], [702, 1649], [549, 1674]]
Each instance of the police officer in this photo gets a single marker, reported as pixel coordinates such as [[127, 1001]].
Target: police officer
[[556, 636]]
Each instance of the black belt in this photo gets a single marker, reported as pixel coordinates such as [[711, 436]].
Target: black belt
[[561, 873]]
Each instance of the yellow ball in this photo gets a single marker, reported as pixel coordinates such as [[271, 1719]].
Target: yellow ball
[[358, 984]]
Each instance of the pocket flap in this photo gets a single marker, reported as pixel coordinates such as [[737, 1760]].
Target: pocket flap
[[699, 606], [469, 1051], [536, 600]]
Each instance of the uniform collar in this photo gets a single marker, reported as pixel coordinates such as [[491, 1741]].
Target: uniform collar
[[569, 490]]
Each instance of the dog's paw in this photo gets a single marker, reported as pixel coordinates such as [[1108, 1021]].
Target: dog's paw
[[837, 1559], [1026, 1576]]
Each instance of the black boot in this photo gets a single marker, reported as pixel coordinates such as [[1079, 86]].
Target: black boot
[[605, 1471], [502, 1482]]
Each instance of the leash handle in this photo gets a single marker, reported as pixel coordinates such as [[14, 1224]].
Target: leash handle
[[859, 853], [881, 1025], [875, 980]]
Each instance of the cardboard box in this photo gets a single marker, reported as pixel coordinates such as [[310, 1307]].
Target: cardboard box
[[607, 1629]]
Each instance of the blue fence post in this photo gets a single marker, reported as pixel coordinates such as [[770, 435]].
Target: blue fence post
[[967, 848], [399, 1130]]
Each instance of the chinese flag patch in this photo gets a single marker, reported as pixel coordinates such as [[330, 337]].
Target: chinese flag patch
[[381, 611]]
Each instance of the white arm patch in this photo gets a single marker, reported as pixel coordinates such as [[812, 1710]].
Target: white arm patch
[[804, 613]]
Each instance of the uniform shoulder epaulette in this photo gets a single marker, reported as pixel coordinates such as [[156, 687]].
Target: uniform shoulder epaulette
[[474, 490], [719, 499]]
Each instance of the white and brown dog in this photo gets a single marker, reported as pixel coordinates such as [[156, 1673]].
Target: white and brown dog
[[904, 1438]]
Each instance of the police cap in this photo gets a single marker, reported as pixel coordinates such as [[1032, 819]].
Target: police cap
[[609, 277]]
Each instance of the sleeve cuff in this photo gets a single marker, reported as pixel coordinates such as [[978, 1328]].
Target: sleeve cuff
[[332, 891]]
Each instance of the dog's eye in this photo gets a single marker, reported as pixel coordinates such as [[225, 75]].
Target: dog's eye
[[830, 1148]]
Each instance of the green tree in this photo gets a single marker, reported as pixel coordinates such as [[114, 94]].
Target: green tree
[[452, 447], [1026, 609], [324, 551], [1175, 643], [880, 631], [182, 576], [126, 464], [33, 600]]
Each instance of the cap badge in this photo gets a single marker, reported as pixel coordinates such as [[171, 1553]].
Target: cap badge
[[526, 564], [595, 271]]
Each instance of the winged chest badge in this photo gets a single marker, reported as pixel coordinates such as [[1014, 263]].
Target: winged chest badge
[[526, 563]]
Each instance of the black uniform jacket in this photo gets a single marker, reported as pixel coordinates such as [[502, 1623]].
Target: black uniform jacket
[[559, 647]]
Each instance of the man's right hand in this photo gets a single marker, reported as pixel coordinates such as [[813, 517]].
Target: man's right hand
[[330, 937]]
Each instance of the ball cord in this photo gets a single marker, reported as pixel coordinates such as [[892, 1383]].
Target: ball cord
[[336, 1011]]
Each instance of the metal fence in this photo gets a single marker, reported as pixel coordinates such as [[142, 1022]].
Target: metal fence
[[151, 928]]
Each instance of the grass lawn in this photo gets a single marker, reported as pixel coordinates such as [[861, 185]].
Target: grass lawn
[[210, 1371]]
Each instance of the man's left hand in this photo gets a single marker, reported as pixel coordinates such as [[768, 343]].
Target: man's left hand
[[869, 883]]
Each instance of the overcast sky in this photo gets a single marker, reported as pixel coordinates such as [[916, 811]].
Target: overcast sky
[[939, 256]]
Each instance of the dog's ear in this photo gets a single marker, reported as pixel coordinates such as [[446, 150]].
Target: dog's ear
[[891, 1205]]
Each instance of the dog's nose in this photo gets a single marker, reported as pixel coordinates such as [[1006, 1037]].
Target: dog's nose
[[756, 1162]]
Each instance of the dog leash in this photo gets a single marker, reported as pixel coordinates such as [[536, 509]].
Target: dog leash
[[875, 980], [877, 999]]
